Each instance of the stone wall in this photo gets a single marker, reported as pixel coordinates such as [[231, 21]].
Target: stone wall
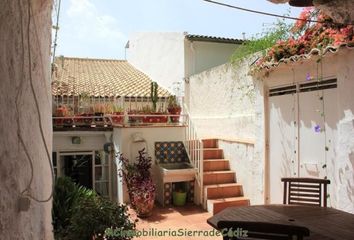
[[19, 118]]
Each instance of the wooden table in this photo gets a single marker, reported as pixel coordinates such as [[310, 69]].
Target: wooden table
[[323, 223]]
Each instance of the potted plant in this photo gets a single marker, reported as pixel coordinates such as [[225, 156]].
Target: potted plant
[[85, 110], [139, 182], [87, 116], [147, 110], [174, 108], [99, 109], [66, 114], [60, 111], [135, 119], [179, 195], [118, 114], [162, 119]]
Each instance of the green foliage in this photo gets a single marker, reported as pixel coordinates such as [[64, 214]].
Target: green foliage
[[66, 195], [154, 94], [172, 102], [280, 31], [93, 215], [79, 213]]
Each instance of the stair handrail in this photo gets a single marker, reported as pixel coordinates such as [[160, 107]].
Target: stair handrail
[[194, 149]]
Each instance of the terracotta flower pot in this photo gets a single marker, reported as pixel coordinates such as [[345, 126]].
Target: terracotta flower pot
[[117, 117], [143, 206], [155, 119], [174, 111]]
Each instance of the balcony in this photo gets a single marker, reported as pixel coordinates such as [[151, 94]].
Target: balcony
[[103, 114]]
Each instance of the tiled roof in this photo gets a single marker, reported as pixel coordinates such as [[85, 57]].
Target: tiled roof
[[203, 38], [295, 58], [100, 78]]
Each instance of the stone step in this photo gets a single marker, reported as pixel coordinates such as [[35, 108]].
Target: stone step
[[224, 190], [210, 143], [216, 205], [218, 177], [216, 165], [213, 153]]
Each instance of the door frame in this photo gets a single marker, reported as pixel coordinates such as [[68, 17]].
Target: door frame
[[60, 153]]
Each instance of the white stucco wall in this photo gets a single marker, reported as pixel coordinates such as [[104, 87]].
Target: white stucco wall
[[226, 103], [62, 141], [167, 57], [222, 102], [159, 55], [339, 125], [122, 137], [19, 117], [201, 56]]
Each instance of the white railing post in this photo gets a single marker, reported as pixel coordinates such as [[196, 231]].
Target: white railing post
[[194, 148]]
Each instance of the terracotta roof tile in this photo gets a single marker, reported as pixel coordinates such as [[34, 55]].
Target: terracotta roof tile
[[295, 58], [100, 78]]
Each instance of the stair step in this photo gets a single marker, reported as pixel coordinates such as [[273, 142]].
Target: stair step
[[216, 205], [213, 153], [224, 190], [218, 177], [210, 143], [216, 165]]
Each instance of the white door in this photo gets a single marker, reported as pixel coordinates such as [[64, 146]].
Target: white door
[[317, 131], [282, 142], [302, 132]]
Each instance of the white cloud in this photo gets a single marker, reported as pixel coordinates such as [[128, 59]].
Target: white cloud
[[89, 22], [86, 28]]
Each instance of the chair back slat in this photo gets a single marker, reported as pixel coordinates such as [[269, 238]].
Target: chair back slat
[[305, 191]]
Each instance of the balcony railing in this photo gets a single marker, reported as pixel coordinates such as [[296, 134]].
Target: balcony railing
[[107, 121], [194, 148], [108, 112]]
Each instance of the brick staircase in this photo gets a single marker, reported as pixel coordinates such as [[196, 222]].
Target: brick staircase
[[220, 187]]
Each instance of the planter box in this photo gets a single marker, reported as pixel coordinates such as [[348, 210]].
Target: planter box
[[117, 117], [135, 119], [155, 119]]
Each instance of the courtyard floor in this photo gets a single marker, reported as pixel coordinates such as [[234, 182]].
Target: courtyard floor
[[179, 223]]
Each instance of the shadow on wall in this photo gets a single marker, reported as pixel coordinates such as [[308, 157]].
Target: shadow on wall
[[350, 185]]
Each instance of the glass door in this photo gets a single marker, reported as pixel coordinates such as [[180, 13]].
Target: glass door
[[102, 173], [77, 166], [90, 169]]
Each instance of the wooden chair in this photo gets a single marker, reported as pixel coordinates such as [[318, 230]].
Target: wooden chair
[[305, 191], [261, 230]]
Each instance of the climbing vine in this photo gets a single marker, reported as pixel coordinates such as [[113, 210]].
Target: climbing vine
[[313, 30], [261, 42]]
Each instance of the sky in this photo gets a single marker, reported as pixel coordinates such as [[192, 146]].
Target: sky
[[101, 28]]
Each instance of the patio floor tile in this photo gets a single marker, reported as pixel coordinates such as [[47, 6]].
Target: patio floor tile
[[188, 219]]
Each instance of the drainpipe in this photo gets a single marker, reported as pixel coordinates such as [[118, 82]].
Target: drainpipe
[[191, 70], [193, 59], [112, 148]]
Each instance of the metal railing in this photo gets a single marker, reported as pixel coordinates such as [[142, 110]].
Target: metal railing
[[79, 104], [194, 149], [121, 120]]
